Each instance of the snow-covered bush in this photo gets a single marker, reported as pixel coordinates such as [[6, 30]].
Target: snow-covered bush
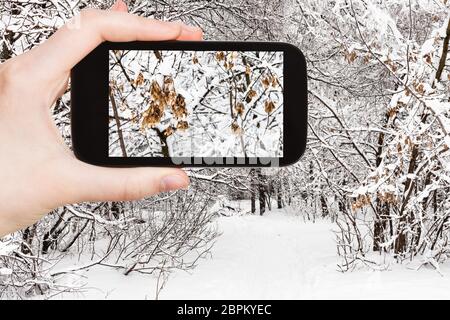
[[379, 122]]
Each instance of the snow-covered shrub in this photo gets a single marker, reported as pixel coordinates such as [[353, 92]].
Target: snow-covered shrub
[[408, 187], [378, 122]]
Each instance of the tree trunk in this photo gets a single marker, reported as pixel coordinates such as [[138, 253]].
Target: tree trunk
[[443, 59], [253, 202], [262, 201], [269, 191], [261, 191], [380, 224], [279, 199], [323, 203], [401, 240], [382, 209], [253, 190]]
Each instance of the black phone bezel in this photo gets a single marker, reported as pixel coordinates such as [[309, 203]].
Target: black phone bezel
[[90, 99]]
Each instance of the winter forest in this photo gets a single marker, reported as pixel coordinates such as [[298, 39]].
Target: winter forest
[[203, 104], [365, 211]]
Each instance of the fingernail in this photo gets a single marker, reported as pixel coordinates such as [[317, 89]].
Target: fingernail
[[174, 182]]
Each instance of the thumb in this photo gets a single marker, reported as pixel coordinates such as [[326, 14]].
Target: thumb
[[92, 183]]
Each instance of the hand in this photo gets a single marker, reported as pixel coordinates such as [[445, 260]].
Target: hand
[[38, 172]]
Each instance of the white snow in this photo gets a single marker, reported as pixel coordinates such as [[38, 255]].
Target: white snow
[[276, 256], [7, 246], [5, 272]]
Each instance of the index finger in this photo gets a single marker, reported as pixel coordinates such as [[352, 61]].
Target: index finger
[[62, 51]]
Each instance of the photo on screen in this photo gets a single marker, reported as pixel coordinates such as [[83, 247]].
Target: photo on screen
[[195, 103]]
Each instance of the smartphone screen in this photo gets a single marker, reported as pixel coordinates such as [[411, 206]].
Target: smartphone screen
[[177, 103], [190, 104]]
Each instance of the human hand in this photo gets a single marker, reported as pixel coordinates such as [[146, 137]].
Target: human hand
[[38, 172]]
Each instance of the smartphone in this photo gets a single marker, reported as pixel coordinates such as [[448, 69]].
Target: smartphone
[[190, 104]]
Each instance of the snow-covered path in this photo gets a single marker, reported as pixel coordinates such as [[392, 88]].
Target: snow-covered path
[[277, 256], [259, 257]]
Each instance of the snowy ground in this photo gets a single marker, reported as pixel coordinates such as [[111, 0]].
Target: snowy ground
[[277, 256]]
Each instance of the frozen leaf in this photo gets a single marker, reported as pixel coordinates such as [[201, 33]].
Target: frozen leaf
[[220, 56], [155, 91], [139, 80], [351, 56], [182, 125], [250, 95], [152, 115], [179, 108], [168, 85], [169, 131], [239, 108], [235, 128], [266, 81], [269, 106]]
